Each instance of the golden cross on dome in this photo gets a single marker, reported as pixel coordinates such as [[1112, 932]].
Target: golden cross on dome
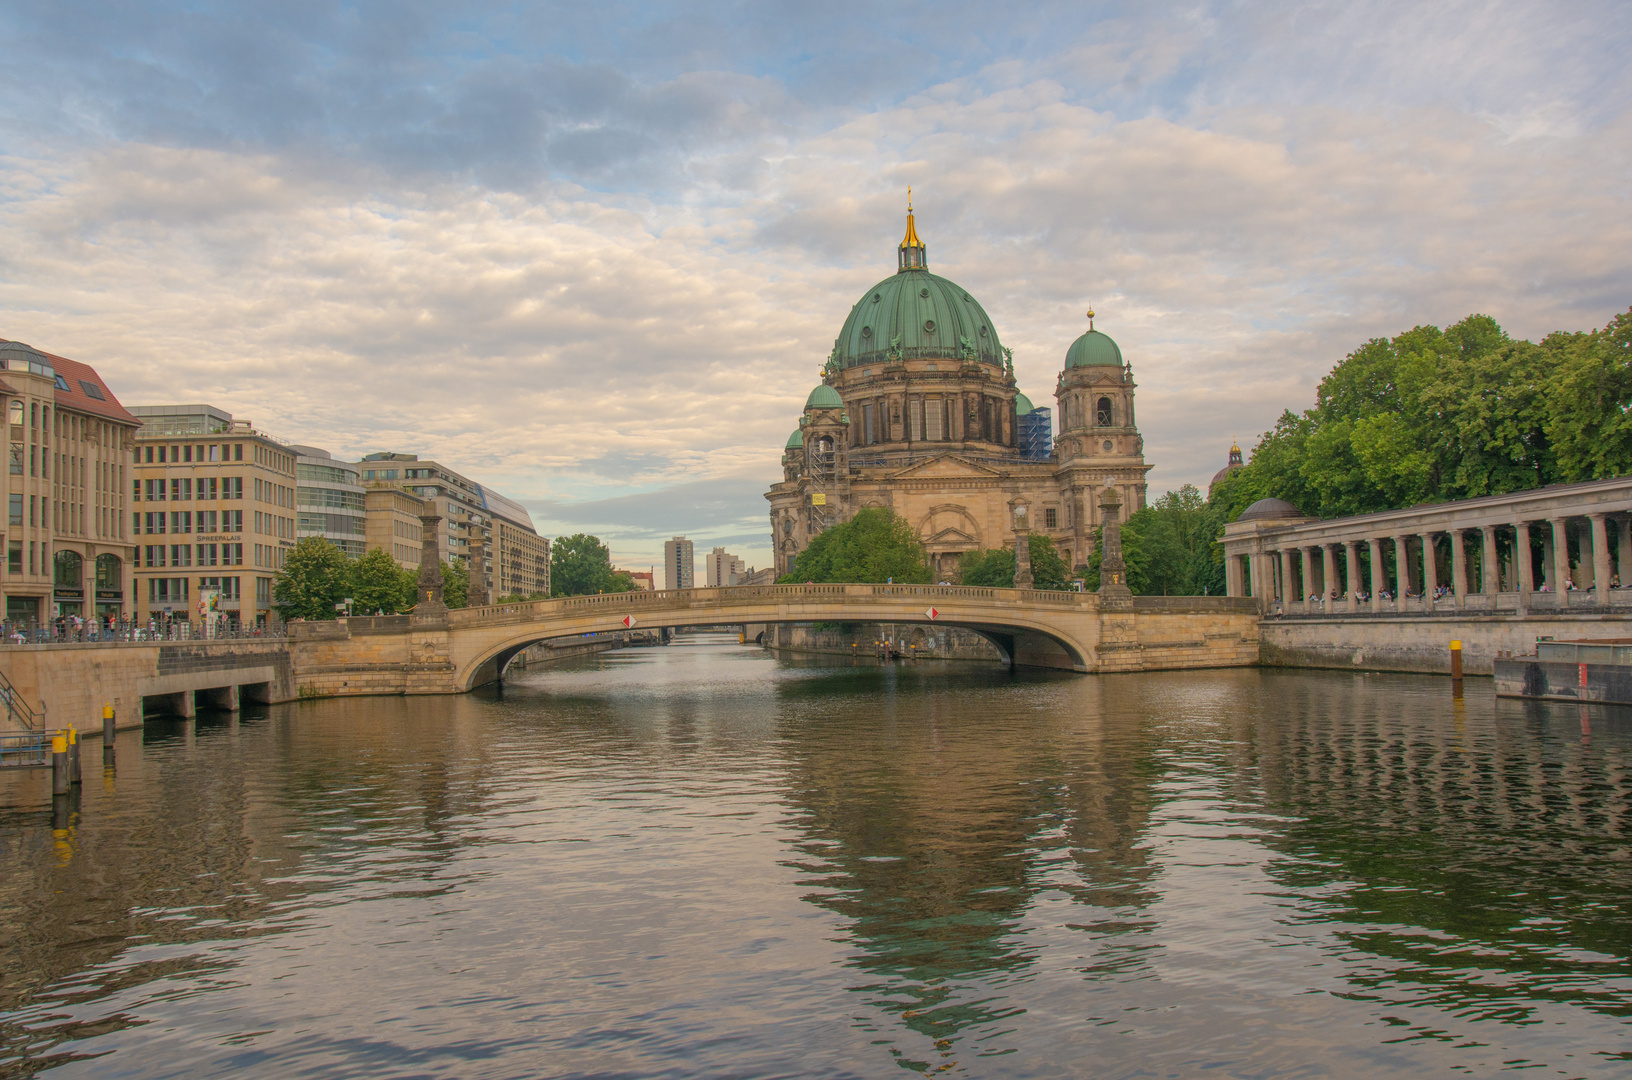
[[1090, 318], [909, 198]]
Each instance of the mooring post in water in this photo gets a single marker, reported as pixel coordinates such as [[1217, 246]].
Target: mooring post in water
[[74, 776], [59, 763], [1456, 669], [107, 725]]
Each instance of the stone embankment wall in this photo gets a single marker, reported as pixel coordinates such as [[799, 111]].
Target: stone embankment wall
[[73, 682], [860, 639], [1422, 643]]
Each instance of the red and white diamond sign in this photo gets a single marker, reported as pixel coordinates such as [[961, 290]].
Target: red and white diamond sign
[[628, 622], [933, 613]]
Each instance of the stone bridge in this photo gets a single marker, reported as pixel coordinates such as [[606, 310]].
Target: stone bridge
[[450, 652]]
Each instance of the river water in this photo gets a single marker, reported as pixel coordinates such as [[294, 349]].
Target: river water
[[702, 860]]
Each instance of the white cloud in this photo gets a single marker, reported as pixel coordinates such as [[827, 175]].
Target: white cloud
[[573, 347]]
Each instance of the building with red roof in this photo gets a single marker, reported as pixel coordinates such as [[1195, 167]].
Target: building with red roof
[[67, 542]]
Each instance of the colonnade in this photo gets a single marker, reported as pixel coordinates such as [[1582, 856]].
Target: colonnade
[[1452, 556]]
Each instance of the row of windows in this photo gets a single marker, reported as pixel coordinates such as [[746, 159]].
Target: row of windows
[[272, 525], [185, 555], [182, 521], [176, 455], [174, 590], [182, 489], [267, 491], [331, 498]]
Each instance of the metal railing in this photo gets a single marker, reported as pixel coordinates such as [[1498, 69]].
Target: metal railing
[[18, 710], [128, 632], [25, 749]]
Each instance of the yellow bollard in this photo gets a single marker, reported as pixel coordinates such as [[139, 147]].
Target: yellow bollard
[[73, 755], [107, 724], [59, 764], [1456, 669]]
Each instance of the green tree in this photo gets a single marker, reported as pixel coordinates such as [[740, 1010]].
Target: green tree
[[1588, 425], [994, 568], [455, 583], [580, 565], [875, 545], [379, 585], [1433, 415], [1173, 540], [315, 577]]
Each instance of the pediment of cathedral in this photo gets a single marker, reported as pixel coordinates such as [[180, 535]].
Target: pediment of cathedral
[[945, 466], [951, 538]]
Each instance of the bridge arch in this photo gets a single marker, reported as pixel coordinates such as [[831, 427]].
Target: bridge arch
[[1058, 630]]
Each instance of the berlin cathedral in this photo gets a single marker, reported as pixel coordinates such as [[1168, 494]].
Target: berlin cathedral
[[918, 411]]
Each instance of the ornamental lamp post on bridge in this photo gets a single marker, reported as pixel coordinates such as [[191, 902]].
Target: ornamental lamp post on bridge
[[1022, 545]]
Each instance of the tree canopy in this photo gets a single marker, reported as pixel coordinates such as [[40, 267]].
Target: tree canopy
[[380, 586], [994, 567], [316, 576], [1433, 415], [580, 565], [874, 545]]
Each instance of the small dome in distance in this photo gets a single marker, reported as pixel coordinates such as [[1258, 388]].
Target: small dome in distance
[[824, 397], [796, 441], [1023, 405], [1270, 510]]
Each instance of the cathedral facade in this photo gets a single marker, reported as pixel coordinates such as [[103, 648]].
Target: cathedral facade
[[918, 411]]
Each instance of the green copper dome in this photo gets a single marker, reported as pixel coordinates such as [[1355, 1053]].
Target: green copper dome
[[915, 315], [824, 397], [1022, 405], [1093, 349], [796, 441]]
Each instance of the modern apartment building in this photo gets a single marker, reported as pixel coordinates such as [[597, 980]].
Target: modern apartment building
[[720, 567], [329, 500], [212, 510], [679, 564], [393, 524], [518, 559], [68, 551]]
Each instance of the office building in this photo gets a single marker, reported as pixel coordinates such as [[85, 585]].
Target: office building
[[68, 548], [720, 567], [679, 571], [518, 559], [212, 511], [329, 500], [393, 525]]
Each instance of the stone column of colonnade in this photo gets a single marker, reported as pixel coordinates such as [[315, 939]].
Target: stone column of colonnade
[[1286, 576], [1600, 558], [1521, 559], [1402, 573], [1560, 566], [1430, 572], [1351, 569], [1490, 576], [1376, 545], [1306, 578], [1459, 565], [1328, 573]]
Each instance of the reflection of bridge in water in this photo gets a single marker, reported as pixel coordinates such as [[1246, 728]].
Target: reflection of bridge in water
[[442, 652]]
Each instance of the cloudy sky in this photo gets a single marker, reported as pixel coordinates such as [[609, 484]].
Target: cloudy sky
[[594, 254]]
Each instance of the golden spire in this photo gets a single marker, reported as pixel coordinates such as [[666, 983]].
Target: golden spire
[[1090, 318], [911, 239], [912, 253]]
